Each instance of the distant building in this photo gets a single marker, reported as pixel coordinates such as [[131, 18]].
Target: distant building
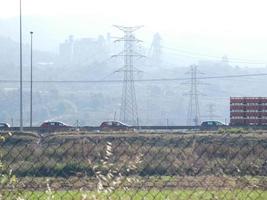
[[155, 51], [248, 110], [84, 51], [66, 51]]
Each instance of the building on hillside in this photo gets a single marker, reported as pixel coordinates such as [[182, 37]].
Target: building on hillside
[[66, 51], [84, 51], [248, 111]]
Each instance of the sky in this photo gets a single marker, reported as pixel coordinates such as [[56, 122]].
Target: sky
[[236, 28]]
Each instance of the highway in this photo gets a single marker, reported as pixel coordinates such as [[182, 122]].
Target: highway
[[139, 128]]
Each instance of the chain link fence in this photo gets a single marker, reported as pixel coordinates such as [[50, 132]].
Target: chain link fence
[[81, 166]]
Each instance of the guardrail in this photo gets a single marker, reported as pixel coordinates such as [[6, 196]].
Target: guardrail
[[166, 127], [97, 128]]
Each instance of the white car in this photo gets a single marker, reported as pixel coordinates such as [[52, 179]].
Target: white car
[[4, 125]]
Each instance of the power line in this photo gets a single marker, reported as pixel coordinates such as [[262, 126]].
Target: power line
[[139, 80], [197, 55]]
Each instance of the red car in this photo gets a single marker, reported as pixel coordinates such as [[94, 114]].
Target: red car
[[114, 126], [54, 126]]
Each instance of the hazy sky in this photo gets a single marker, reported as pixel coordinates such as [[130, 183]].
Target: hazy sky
[[237, 28]]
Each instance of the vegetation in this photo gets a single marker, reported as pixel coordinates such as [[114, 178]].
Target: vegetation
[[147, 195], [6, 176], [203, 155], [134, 165]]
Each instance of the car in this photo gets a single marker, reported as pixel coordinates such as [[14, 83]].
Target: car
[[114, 126], [51, 126], [211, 125], [4, 125]]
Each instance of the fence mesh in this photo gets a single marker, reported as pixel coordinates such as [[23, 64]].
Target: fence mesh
[[189, 166]]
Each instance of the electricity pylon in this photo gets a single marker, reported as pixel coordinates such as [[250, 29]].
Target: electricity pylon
[[193, 112], [129, 108]]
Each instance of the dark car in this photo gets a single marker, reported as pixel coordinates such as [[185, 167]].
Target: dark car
[[114, 126], [52, 126], [4, 125], [211, 125]]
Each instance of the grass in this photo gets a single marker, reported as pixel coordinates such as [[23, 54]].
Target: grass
[[155, 182], [208, 167], [144, 195], [165, 155]]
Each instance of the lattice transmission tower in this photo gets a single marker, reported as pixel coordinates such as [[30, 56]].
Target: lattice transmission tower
[[211, 111], [193, 112], [128, 109]]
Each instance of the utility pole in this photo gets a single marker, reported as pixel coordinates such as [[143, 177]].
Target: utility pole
[[128, 109], [20, 43], [31, 84], [193, 113]]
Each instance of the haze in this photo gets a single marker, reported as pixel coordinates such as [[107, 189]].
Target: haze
[[210, 27], [73, 67]]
